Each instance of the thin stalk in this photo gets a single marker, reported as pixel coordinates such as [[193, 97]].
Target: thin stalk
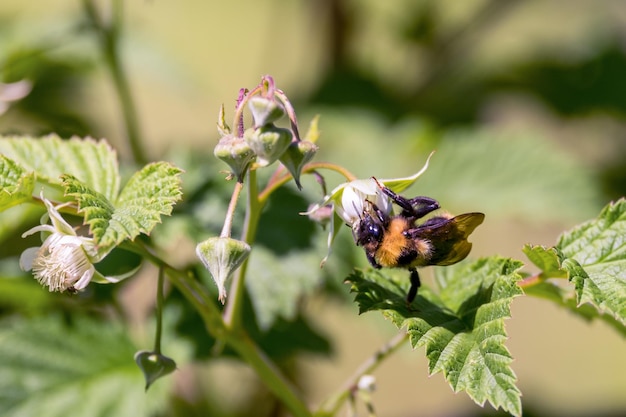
[[234, 308], [197, 295], [109, 35], [159, 312], [230, 213], [310, 167], [331, 405]]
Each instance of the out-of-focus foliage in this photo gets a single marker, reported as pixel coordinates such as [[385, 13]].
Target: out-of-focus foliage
[[391, 80]]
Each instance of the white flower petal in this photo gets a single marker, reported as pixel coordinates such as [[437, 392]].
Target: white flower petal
[[27, 257]]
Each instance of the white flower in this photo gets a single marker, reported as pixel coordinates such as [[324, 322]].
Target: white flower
[[65, 260], [354, 197], [349, 200]]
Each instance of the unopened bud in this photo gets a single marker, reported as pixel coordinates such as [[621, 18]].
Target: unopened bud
[[264, 110], [154, 365], [268, 142], [321, 215], [296, 155], [236, 153], [222, 256]]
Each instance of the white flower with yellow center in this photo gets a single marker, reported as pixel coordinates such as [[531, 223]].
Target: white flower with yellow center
[[64, 262]]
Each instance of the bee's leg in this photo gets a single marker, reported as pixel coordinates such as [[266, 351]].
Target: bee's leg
[[372, 261], [415, 284], [416, 207]]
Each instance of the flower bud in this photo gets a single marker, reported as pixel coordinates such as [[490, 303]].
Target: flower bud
[[264, 110], [367, 383], [154, 365], [298, 154], [268, 142], [221, 256], [321, 215], [236, 153]]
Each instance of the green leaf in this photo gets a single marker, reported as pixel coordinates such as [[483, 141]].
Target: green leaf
[[54, 370], [461, 327], [277, 283], [149, 194], [548, 259], [16, 184], [595, 258], [93, 162], [488, 170]]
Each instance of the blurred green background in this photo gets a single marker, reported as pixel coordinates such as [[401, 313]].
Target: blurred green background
[[524, 102]]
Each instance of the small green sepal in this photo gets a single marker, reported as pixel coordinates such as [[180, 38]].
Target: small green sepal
[[268, 142], [236, 153], [296, 156], [154, 365], [222, 256]]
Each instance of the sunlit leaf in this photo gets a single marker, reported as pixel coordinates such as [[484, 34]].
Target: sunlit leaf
[[93, 162], [461, 327], [593, 257], [16, 184], [148, 195]]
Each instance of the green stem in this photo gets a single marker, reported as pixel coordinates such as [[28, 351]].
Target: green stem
[[331, 405], [234, 308], [159, 312], [109, 35], [230, 213], [197, 295], [313, 166], [269, 373]]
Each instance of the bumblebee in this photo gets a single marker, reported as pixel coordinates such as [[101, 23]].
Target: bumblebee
[[399, 241]]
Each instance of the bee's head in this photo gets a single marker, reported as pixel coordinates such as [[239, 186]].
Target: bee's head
[[369, 229]]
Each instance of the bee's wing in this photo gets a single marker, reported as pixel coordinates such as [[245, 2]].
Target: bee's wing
[[448, 237]]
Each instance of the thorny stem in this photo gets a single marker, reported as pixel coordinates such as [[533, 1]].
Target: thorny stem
[[331, 405], [243, 92], [109, 35]]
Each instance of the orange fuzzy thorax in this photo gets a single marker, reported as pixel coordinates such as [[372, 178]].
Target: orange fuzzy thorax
[[393, 243]]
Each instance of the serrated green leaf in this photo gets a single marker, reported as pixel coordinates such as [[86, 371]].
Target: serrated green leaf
[[96, 207], [595, 258], [53, 370], [93, 162], [149, 194], [16, 184], [461, 328], [547, 259]]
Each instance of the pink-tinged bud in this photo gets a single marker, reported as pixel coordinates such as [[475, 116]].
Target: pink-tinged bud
[[265, 111]]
